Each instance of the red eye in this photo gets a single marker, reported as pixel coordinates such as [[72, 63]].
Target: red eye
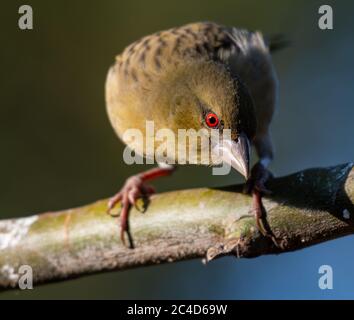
[[212, 120]]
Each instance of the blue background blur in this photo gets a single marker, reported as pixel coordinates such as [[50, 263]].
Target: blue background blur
[[58, 149]]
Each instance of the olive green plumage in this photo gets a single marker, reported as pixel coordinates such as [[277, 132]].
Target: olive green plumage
[[175, 77]]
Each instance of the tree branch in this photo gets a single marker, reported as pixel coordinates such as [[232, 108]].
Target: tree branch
[[305, 208]]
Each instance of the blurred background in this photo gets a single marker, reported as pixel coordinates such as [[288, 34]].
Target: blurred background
[[58, 149]]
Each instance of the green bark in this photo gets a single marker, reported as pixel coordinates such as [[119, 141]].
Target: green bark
[[305, 208]]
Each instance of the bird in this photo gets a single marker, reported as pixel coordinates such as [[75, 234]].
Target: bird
[[202, 75]]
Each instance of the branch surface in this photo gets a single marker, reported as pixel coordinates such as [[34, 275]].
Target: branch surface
[[305, 208]]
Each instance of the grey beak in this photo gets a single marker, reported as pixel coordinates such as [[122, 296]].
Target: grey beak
[[236, 154]]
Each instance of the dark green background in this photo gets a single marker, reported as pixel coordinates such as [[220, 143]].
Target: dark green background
[[58, 149]]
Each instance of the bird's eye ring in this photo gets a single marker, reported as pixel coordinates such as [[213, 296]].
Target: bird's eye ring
[[212, 120]]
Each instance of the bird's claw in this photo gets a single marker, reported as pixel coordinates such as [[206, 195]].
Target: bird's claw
[[141, 204], [132, 192], [111, 204]]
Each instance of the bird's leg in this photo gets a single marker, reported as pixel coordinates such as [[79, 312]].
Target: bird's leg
[[134, 188], [256, 184]]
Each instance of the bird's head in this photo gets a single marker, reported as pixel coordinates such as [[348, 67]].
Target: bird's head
[[206, 96]]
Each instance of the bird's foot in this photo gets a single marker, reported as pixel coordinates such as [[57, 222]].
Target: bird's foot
[[256, 185], [133, 189]]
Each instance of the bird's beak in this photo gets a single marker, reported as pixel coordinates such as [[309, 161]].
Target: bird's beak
[[235, 153]]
